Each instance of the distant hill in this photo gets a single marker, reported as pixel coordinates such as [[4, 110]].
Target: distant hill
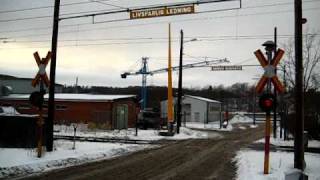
[[7, 77]]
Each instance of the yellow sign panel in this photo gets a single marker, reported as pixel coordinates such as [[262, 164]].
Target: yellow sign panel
[[165, 11]]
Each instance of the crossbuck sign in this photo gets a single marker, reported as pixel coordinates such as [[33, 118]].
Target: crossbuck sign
[[269, 71], [41, 75]]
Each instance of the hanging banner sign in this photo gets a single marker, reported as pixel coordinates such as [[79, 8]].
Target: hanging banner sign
[[165, 11]]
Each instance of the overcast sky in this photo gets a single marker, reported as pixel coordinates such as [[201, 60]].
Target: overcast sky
[[97, 52]]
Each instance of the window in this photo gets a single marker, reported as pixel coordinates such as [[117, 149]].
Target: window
[[61, 107], [45, 105], [214, 108], [24, 106]]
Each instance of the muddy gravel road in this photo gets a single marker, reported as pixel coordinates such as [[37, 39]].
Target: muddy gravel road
[[189, 159]]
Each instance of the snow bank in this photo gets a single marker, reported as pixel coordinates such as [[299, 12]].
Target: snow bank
[[281, 142], [17, 162], [237, 119], [185, 133], [250, 165], [21, 162]]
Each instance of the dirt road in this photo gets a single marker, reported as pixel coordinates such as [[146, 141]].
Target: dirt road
[[189, 159]]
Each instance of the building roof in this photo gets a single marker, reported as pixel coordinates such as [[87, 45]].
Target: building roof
[[203, 99], [73, 97]]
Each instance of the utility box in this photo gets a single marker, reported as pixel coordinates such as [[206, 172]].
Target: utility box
[[20, 131]]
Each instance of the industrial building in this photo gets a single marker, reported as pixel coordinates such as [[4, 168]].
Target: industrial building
[[112, 111], [196, 109]]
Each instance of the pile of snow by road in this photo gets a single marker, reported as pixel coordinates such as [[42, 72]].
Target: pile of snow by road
[[280, 142], [237, 119], [185, 133], [250, 165], [21, 162]]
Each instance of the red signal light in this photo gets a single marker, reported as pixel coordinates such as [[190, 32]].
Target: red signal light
[[268, 103]]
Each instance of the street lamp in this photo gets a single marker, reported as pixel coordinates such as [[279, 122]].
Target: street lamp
[[180, 80]]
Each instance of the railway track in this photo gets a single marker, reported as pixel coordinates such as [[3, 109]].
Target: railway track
[[105, 139]]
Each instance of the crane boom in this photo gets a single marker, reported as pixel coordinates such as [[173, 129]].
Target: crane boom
[[175, 68], [145, 72]]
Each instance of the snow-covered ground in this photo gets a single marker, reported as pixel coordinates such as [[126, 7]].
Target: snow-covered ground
[[21, 162], [185, 133], [280, 142], [237, 119], [250, 162], [15, 162], [250, 165]]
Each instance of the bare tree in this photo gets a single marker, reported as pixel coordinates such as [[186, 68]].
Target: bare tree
[[311, 59]]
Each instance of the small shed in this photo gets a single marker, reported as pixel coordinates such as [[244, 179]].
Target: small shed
[[196, 109]]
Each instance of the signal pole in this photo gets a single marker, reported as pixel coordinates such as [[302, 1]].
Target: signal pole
[[299, 99], [51, 103], [275, 91]]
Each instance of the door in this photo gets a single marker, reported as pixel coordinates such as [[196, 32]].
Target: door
[[122, 116], [186, 112]]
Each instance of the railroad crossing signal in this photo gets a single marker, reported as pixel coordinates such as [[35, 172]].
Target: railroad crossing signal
[[269, 71], [41, 75]]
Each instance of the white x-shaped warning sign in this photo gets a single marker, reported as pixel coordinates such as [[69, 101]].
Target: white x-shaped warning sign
[[269, 71], [42, 64]]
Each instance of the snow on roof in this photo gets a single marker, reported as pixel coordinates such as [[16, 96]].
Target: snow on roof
[[203, 99], [75, 97], [8, 110]]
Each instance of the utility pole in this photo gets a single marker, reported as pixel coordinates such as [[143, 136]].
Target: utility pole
[[299, 99], [144, 72], [275, 90], [51, 103], [180, 84]]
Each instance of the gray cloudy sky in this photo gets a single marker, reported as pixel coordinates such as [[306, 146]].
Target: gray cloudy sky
[[98, 53]]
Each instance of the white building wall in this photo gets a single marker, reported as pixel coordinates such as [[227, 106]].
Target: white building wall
[[214, 112], [198, 109]]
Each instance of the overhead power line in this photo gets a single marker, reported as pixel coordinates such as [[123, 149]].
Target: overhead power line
[[146, 7], [116, 11], [47, 7], [160, 22], [77, 44], [101, 22], [199, 38]]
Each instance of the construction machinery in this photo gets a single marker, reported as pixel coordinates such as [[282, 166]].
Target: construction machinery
[[144, 71]]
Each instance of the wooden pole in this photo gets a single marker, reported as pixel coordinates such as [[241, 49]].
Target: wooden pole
[[180, 84], [51, 103], [299, 99]]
